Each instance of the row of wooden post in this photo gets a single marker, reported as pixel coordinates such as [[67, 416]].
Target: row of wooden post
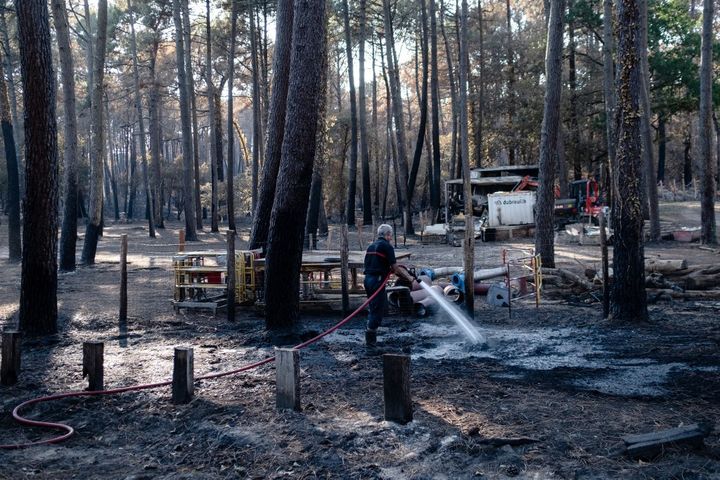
[[396, 375]]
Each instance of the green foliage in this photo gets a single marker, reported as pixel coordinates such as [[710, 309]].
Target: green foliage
[[674, 44]]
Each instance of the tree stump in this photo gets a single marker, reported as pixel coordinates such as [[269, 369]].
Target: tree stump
[[396, 387], [93, 365], [183, 382], [287, 378], [10, 368], [123, 277]]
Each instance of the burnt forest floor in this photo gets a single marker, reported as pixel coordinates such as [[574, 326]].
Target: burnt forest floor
[[559, 383]]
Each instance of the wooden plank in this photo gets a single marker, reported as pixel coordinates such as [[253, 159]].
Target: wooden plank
[[287, 378], [93, 365], [396, 388], [10, 363], [662, 434], [183, 382], [652, 444]]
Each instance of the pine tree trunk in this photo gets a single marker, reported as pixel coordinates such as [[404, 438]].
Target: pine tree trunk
[[511, 85], [651, 191], [155, 138], [364, 149], [141, 127], [186, 127], [608, 82], [707, 201], [662, 147], [352, 166], [544, 222], [97, 155], [230, 185], [276, 123], [193, 109], [257, 120], [13, 174], [435, 187], [38, 284], [423, 105], [211, 122], [453, 96], [628, 301], [572, 83], [469, 242], [9, 62], [287, 224], [397, 110]]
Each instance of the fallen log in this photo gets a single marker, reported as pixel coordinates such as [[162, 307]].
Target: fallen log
[[686, 295], [568, 276], [649, 445], [664, 266]]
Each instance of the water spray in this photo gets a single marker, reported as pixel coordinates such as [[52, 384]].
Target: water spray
[[460, 318]]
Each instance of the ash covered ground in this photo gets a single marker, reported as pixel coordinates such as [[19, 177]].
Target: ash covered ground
[[549, 395]]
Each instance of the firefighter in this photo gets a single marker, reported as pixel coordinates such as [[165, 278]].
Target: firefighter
[[379, 262]]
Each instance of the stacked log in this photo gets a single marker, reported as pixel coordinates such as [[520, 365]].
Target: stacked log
[[672, 278]]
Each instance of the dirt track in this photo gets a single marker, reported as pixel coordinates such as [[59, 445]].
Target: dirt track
[[559, 376]]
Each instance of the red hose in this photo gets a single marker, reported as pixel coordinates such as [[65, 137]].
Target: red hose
[[69, 430]]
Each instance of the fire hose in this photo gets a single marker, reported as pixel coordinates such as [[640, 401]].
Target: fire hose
[[69, 431]]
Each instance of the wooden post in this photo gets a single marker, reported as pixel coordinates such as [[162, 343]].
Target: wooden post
[[10, 368], [396, 386], [344, 254], [605, 267], [183, 375], [231, 275], [287, 378], [361, 236], [93, 363], [181, 246], [123, 277]]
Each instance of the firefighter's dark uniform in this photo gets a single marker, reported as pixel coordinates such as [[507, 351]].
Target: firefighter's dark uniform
[[379, 257]]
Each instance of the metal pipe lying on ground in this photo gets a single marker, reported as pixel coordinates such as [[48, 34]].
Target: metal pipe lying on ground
[[458, 279]]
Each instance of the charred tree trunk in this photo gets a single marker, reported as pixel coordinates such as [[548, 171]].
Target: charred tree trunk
[[628, 301], [193, 109], [423, 105], [257, 120], [230, 185], [186, 126], [453, 95], [352, 167], [651, 192], [469, 243], [364, 149], [141, 127], [545, 231], [13, 173], [155, 138], [511, 85], [707, 201], [287, 225], [38, 289], [608, 82], [213, 156], [276, 123], [435, 187], [97, 155], [662, 146], [399, 120]]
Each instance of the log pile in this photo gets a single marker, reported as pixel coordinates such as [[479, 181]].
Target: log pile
[[664, 279]]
